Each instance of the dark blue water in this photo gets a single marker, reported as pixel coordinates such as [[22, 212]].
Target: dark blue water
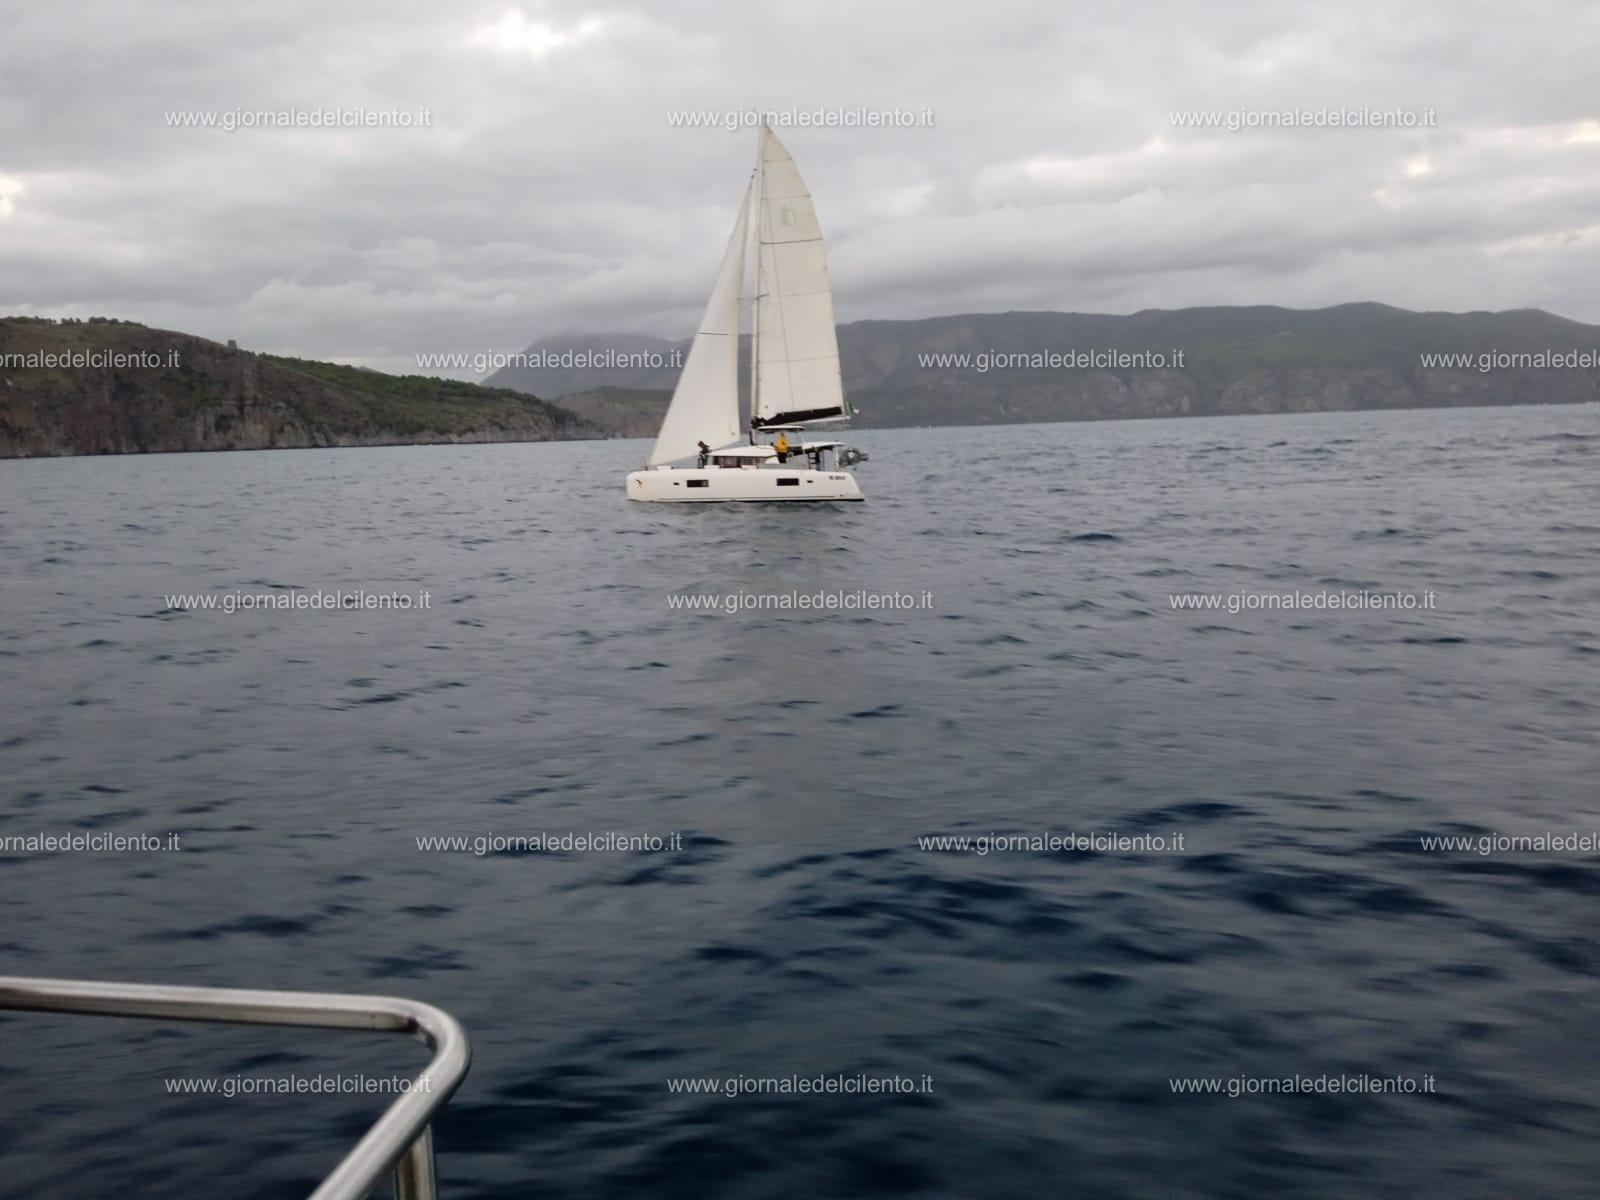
[[1050, 687]]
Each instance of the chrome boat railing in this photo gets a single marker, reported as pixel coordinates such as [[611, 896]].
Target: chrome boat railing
[[402, 1139]]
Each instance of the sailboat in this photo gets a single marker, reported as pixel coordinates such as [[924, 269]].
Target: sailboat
[[794, 364]]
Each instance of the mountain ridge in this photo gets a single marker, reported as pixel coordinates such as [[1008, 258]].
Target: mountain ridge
[[1236, 360]]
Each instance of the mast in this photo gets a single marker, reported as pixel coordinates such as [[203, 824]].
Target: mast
[[756, 189]]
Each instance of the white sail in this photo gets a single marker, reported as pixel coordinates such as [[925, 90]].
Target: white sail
[[705, 404], [797, 350]]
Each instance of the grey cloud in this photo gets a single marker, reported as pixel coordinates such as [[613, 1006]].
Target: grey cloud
[[550, 193]]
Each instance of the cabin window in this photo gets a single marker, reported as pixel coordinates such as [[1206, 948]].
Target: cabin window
[[698, 482], [792, 481]]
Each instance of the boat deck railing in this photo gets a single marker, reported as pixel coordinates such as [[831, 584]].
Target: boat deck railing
[[402, 1139]]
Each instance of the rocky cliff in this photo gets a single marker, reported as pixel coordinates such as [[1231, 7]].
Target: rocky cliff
[[113, 387]]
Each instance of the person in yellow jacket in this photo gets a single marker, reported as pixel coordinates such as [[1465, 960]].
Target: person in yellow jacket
[[782, 447]]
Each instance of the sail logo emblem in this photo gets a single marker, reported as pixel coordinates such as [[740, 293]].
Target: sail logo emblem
[[786, 216]]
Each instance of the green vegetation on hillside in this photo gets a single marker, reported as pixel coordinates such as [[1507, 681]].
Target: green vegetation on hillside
[[188, 393], [417, 403]]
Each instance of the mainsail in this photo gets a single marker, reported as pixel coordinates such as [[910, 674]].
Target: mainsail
[[796, 348], [705, 404]]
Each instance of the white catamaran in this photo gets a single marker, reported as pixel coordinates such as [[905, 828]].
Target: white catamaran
[[794, 369]]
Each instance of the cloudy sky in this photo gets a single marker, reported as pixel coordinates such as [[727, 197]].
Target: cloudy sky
[[551, 192]]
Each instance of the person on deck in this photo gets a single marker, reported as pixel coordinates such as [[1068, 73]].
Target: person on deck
[[705, 453], [782, 447]]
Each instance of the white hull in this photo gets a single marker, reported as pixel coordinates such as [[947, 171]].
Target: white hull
[[709, 485]]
